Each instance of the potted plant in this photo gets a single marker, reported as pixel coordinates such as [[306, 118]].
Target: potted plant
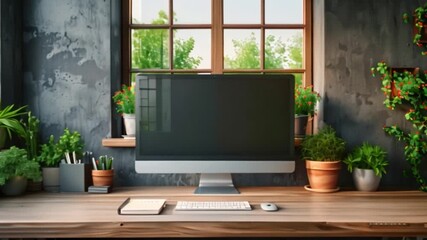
[[103, 173], [412, 94], [15, 170], [367, 163], [323, 153], [305, 104], [9, 122], [53, 152], [49, 158], [398, 84], [125, 105]]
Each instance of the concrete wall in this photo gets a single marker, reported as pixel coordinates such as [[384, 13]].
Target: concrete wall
[[358, 35], [68, 83], [67, 70]]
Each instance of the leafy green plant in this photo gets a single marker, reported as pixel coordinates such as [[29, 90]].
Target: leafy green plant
[[305, 100], [71, 142], [323, 146], [367, 156], [9, 121], [125, 100], [400, 86], [50, 155], [53, 152], [413, 94], [14, 162]]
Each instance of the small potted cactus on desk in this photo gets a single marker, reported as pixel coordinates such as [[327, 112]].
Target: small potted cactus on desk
[[103, 172]]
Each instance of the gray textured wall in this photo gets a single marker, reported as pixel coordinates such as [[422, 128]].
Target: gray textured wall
[[67, 79], [360, 33], [67, 68]]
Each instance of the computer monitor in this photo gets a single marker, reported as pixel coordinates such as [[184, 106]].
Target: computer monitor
[[215, 125]]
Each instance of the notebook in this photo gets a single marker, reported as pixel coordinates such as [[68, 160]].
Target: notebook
[[134, 206]]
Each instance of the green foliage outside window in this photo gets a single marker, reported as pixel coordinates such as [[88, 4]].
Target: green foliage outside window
[[151, 51], [151, 48]]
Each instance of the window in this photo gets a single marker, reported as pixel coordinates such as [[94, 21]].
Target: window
[[216, 36]]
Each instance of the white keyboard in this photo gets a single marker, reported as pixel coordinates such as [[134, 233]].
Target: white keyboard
[[213, 206]]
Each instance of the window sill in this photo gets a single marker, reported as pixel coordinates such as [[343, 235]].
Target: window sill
[[118, 142], [130, 143]]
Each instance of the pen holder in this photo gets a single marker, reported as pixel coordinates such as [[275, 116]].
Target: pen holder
[[74, 177], [103, 177]]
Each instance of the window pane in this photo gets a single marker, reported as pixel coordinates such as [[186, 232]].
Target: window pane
[[242, 11], [284, 12], [283, 49], [192, 11], [150, 49], [150, 11], [241, 48], [298, 79], [192, 49]]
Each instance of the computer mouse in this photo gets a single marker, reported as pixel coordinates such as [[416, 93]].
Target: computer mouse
[[269, 207]]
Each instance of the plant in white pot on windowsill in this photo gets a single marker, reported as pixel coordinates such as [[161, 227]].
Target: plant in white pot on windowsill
[[305, 107], [125, 104]]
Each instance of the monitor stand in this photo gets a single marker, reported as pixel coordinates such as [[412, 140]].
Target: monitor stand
[[216, 183]]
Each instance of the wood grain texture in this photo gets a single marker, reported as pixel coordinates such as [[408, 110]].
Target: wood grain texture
[[118, 142], [302, 213]]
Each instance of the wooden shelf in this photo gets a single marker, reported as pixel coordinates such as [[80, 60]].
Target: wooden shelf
[[118, 142], [130, 143]]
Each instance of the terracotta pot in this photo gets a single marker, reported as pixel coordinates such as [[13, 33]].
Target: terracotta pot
[[323, 175], [102, 177]]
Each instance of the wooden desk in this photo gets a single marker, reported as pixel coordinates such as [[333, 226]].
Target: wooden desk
[[302, 213]]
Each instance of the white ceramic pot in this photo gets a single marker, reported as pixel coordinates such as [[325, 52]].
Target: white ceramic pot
[[51, 179], [366, 180], [129, 120]]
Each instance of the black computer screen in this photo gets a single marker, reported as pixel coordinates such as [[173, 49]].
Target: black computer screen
[[215, 117]]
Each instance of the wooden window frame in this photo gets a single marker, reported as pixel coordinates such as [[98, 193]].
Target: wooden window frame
[[121, 22], [217, 26]]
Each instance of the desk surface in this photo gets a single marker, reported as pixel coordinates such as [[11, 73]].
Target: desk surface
[[302, 213]]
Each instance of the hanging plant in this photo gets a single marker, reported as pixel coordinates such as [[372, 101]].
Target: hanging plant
[[411, 89], [398, 84], [419, 27]]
